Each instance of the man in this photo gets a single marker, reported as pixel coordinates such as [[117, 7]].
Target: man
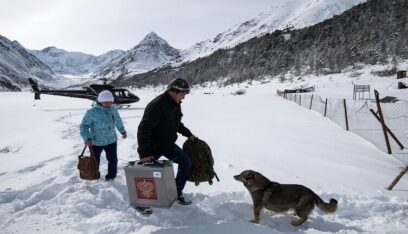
[[157, 133], [98, 131]]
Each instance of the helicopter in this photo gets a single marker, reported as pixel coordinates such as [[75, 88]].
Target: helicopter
[[122, 97]]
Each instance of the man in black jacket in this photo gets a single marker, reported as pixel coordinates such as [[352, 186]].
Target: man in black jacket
[[157, 132]]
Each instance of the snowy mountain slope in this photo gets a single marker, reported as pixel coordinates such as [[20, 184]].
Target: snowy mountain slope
[[153, 51], [107, 57], [293, 13], [331, 46], [74, 63], [150, 53], [17, 65], [40, 190]]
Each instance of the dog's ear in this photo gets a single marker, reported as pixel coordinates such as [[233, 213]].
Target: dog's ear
[[250, 176]]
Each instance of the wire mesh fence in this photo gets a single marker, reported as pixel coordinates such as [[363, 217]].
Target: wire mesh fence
[[335, 112], [363, 122], [364, 119], [396, 120]]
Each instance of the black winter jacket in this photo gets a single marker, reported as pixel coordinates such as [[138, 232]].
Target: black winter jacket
[[159, 126]]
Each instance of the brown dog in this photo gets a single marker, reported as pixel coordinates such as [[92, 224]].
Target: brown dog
[[282, 197]]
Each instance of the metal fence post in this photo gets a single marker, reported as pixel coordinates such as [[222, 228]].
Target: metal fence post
[[325, 108]]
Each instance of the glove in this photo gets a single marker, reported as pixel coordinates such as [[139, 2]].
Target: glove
[[88, 143], [147, 159]]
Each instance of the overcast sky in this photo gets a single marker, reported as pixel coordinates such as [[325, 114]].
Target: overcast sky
[[97, 26]]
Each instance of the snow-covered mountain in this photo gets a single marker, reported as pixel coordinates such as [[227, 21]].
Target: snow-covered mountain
[[74, 63], [17, 65], [331, 46], [293, 13], [150, 53], [153, 51], [107, 57]]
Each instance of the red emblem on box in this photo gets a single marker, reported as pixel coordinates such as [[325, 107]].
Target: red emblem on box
[[146, 188]]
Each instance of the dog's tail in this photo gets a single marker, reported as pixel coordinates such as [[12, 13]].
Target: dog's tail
[[326, 207]]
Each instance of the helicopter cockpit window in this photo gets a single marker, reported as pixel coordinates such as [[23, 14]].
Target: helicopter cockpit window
[[118, 94]]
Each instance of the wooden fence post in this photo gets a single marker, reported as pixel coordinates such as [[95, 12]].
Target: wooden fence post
[[311, 101], [384, 127], [345, 113], [395, 181], [300, 100], [388, 130], [325, 108]]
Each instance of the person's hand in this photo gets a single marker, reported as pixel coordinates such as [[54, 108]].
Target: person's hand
[[124, 136], [147, 159], [88, 143], [193, 137]]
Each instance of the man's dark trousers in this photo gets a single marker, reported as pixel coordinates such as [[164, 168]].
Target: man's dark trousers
[[111, 156], [178, 156]]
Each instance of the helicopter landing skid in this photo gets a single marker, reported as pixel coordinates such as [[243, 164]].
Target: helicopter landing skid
[[123, 106]]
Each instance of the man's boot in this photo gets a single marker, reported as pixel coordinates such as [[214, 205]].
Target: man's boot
[[182, 201], [145, 211]]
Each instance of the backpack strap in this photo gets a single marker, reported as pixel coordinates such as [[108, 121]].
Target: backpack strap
[[216, 176]]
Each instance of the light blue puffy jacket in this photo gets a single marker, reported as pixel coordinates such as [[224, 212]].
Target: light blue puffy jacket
[[99, 125]]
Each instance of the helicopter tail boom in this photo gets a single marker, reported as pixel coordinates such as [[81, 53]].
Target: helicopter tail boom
[[35, 88]]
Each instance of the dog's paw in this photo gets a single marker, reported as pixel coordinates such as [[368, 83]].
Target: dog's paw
[[254, 221], [294, 223], [297, 223]]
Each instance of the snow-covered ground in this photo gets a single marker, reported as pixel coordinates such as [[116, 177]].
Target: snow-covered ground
[[340, 85], [40, 190]]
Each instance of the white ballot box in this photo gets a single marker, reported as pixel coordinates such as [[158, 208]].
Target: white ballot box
[[151, 184]]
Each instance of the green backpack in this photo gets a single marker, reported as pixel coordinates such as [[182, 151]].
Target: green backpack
[[202, 169]]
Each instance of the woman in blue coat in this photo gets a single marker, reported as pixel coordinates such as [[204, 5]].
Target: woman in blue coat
[[98, 130]]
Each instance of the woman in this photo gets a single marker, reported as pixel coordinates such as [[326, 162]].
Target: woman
[[98, 131]]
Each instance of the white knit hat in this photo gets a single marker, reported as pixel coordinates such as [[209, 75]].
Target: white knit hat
[[105, 96]]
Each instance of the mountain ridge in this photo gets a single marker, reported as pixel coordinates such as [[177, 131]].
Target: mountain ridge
[[369, 33], [17, 65]]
